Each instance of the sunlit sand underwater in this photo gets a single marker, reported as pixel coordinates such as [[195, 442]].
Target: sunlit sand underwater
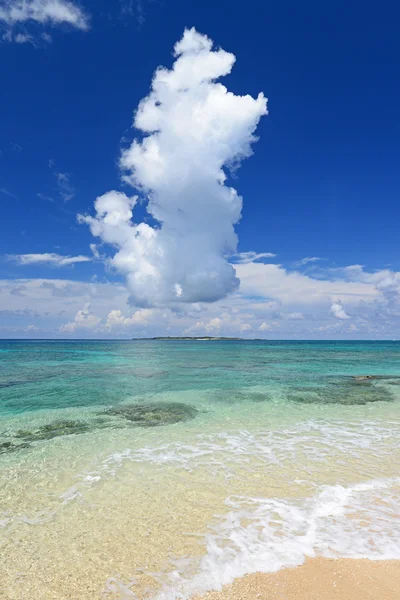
[[159, 470]]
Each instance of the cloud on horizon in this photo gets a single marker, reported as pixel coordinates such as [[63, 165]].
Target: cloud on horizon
[[84, 319], [273, 302]]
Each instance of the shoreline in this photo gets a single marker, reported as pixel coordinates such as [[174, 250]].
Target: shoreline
[[318, 579]]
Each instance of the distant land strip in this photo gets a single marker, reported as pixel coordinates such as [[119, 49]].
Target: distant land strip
[[190, 339]]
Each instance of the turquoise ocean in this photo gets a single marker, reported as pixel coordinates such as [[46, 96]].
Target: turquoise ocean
[[163, 469]]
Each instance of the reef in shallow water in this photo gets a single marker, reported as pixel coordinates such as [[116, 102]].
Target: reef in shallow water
[[6, 447], [237, 396], [153, 414], [387, 379], [52, 430], [345, 392]]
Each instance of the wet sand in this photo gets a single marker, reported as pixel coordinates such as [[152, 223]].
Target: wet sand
[[319, 579]]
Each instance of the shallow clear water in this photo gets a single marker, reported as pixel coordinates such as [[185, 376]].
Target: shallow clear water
[[160, 469]]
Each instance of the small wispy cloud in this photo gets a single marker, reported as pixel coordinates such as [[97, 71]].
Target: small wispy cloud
[[44, 197], [15, 147], [17, 13], [65, 187], [307, 260], [95, 251], [134, 8], [49, 258], [26, 38], [67, 192], [243, 258], [22, 38], [6, 192]]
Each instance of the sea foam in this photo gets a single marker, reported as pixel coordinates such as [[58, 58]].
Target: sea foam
[[265, 534]]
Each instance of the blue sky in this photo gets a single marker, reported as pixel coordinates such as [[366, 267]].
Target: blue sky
[[323, 181]]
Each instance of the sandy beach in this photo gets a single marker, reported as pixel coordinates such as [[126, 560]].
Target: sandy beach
[[319, 579]]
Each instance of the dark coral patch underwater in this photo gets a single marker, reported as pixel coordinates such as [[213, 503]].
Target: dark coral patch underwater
[[139, 415], [153, 414], [237, 396], [358, 390], [52, 430], [6, 447]]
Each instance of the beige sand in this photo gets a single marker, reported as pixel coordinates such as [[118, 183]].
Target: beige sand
[[320, 579]]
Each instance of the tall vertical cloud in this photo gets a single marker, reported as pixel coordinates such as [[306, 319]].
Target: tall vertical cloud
[[193, 128]]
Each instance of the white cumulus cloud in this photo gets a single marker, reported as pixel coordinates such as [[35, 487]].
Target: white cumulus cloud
[[193, 129], [214, 324], [293, 287], [338, 311], [116, 319], [228, 323], [385, 282], [47, 258], [84, 319]]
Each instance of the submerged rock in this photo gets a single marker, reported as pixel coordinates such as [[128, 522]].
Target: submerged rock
[[154, 414], [367, 377], [11, 447], [52, 430]]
